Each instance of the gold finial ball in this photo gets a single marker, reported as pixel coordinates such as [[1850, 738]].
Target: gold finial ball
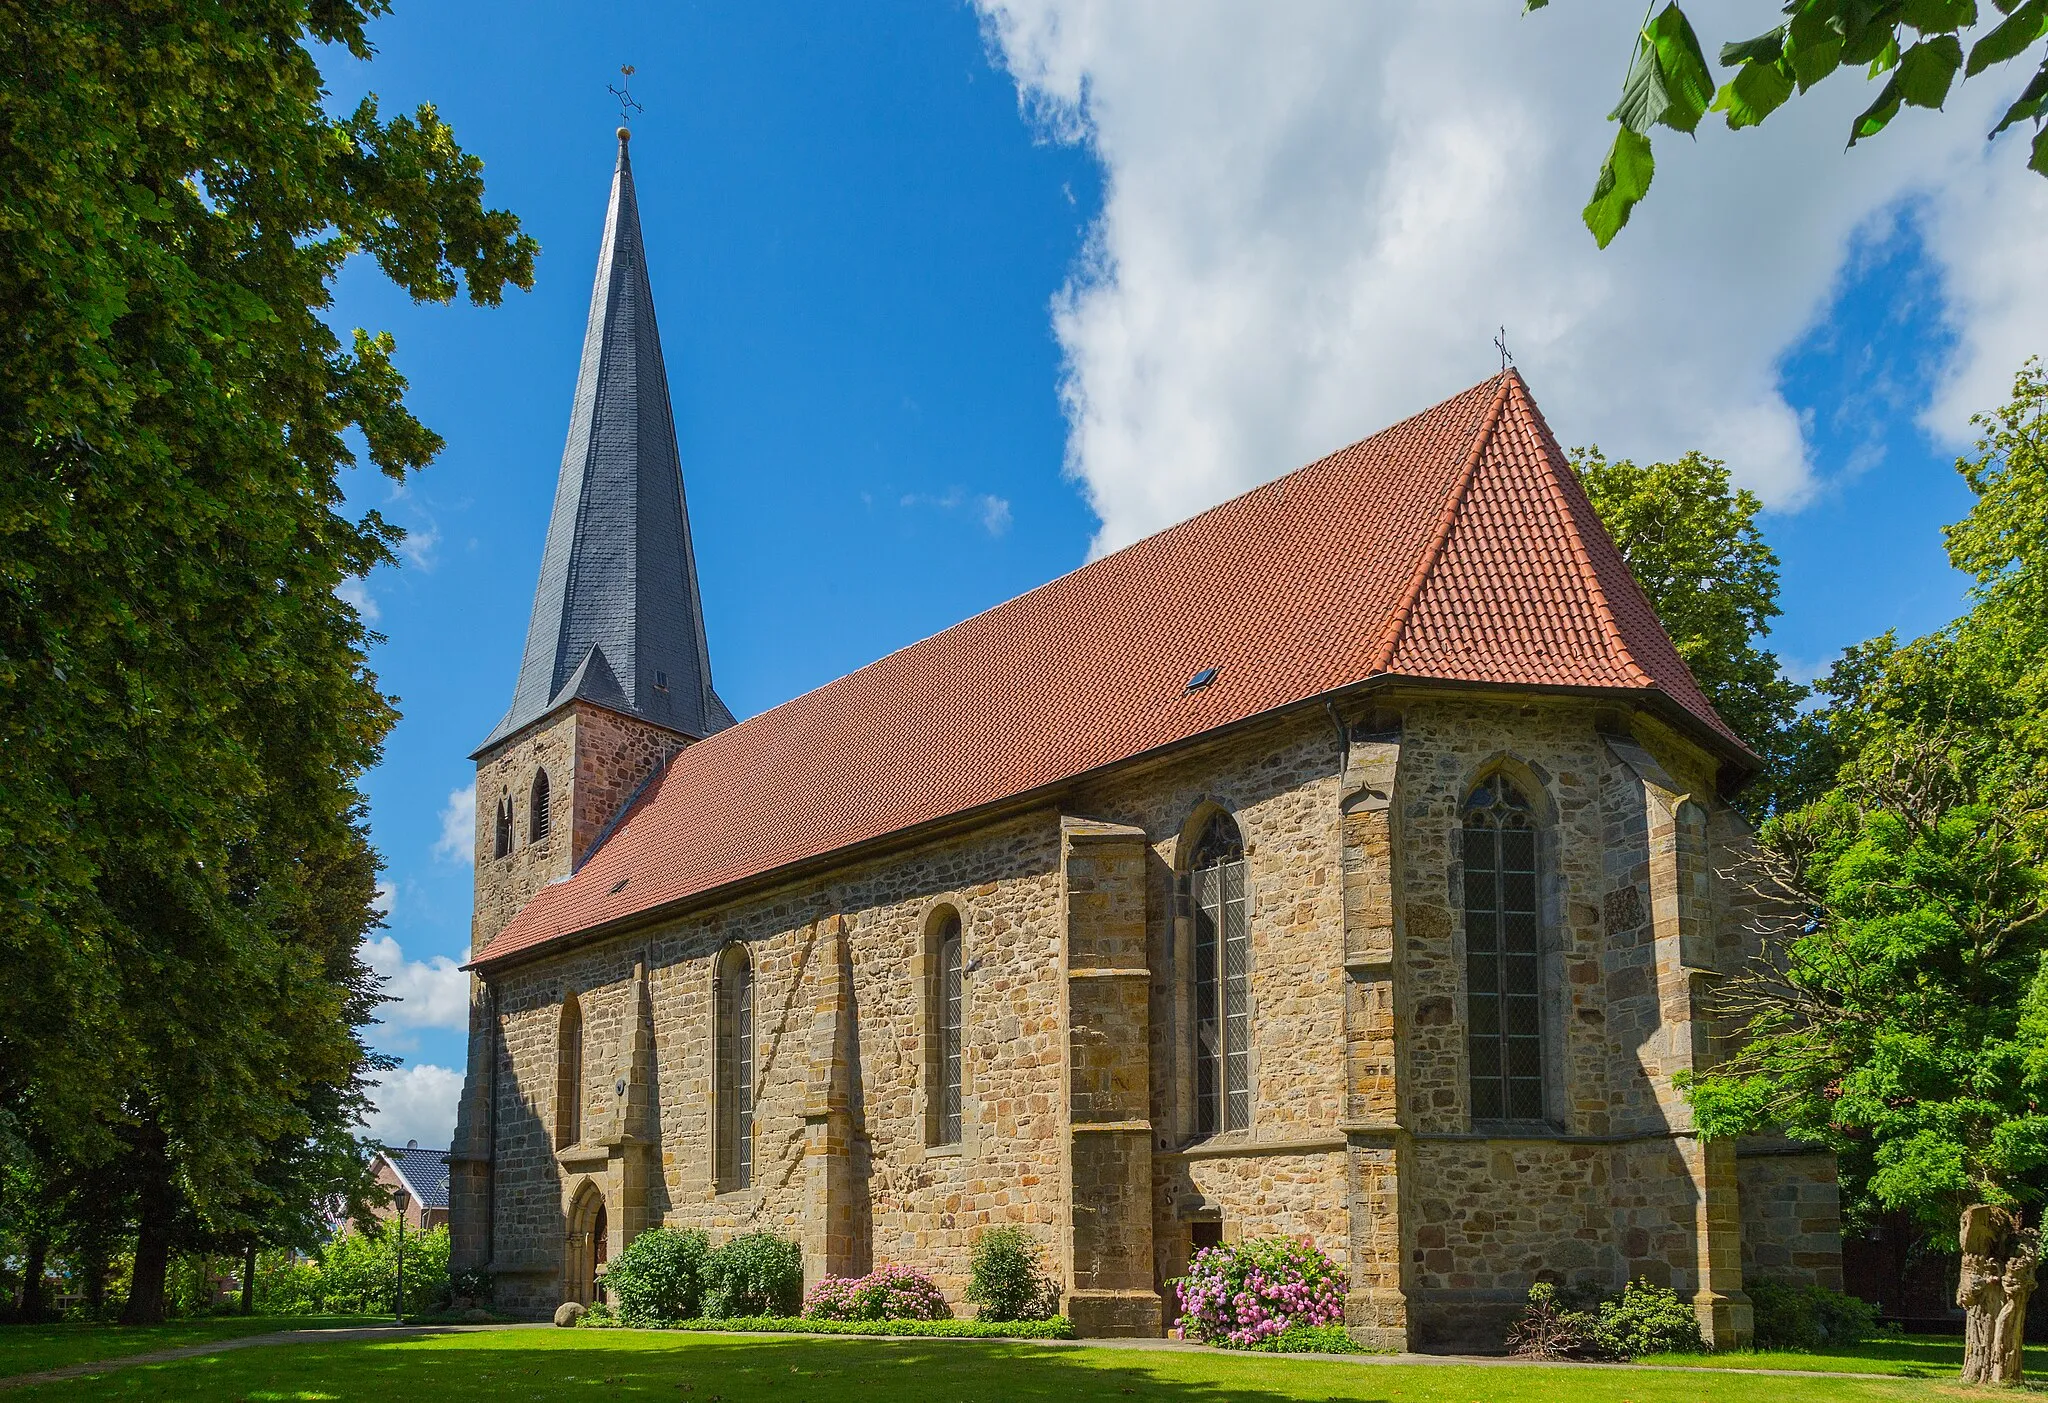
[[625, 133]]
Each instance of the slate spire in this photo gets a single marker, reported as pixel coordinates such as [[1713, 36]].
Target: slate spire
[[617, 619]]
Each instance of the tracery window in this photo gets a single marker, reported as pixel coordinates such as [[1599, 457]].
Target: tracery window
[[569, 1074], [735, 1136], [502, 841], [1503, 954], [1222, 978], [948, 1025], [540, 814]]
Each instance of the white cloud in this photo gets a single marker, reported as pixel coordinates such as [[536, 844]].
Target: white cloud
[[356, 594], [431, 993], [422, 545], [991, 511], [995, 515], [415, 1103], [385, 899], [457, 842], [1316, 216]]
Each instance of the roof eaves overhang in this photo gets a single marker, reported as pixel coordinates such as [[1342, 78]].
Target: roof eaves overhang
[[1734, 757]]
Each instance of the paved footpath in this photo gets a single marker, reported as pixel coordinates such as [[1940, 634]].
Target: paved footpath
[[389, 1332]]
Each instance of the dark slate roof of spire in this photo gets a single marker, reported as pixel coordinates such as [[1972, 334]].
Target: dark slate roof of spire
[[617, 614]]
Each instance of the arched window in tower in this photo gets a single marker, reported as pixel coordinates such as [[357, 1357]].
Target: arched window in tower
[[735, 1130], [1503, 954], [501, 845], [947, 1025], [540, 814], [1222, 978], [569, 1074]]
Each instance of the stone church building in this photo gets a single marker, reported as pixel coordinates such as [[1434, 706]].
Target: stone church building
[[1342, 862]]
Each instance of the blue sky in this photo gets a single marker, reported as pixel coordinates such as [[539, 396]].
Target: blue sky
[[930, 345]]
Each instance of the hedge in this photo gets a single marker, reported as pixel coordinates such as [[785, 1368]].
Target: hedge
[[1057, 1328]]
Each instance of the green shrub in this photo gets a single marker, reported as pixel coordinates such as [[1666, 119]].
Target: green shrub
[[659, 1277], [1005, 1280], [286, 1284], [1057, 1327], [599, 1316], [1790, 1316], [359, 1271], [1648, 1319], [1554, 1326], [1310, 1339], [755, 1274], [1567, 1323]]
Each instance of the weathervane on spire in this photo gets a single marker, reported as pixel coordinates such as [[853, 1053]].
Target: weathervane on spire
[[623, 92], [1500, 343]]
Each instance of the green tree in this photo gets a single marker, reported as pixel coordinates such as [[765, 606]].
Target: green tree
[[185, 705], [1691, 540], [1915, 48], [1897, 1009]]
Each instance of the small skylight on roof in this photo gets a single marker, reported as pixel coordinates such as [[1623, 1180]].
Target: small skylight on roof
[[1202, 679], [660, 681], [618, 886]]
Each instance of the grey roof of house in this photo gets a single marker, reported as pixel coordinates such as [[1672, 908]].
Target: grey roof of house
[[425, 1171], [617, 619]]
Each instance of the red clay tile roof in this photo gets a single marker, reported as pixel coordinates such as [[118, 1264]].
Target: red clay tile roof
[[1454, 546]]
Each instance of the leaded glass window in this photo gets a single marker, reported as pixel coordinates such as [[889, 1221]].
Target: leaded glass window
[[1503, 955], [950, 1027], [735, 1071], [1223, 996]]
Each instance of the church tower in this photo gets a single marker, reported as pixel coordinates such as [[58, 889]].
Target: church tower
[[615, 677]]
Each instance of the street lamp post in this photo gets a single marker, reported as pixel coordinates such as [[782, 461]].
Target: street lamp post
[[402, 1199]]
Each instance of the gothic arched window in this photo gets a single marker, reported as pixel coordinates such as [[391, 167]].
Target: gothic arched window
[[947, 1024], [1222, 978], [501, 845], [1503, 954], [735, 1131], [569, 1074], [540, 815]]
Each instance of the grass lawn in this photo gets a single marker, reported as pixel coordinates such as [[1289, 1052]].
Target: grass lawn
[[29, 1349], [510, 1366], [1911, 1356]]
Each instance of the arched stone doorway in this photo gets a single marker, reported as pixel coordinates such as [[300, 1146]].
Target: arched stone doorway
[[586, 1245]]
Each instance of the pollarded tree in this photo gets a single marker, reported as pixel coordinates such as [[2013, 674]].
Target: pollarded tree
[[1691, 540]]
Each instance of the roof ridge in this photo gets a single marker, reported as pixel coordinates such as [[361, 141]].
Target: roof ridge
[[1553, 459], [1397, 622]]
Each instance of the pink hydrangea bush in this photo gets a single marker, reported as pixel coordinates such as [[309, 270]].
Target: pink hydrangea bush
[[888, 1293], [1241, 1295]]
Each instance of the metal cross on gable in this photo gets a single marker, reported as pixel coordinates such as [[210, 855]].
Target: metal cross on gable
[[1500, 343], [623, 92]]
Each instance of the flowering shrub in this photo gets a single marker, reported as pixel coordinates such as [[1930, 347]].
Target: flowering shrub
[[890, 1293], [1239, 1296]]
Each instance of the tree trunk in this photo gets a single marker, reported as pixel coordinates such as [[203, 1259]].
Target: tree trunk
[[1999, 1260], [152, 1251], [249, 1278], [35, 1307]]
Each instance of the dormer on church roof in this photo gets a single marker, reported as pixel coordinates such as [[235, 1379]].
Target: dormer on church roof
[[617, 618]]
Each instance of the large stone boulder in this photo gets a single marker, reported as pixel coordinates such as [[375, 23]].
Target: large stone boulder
[[568, 1313]]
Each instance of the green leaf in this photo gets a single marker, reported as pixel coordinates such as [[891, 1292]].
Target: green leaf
[[1867, 43], [1887, 58], [2010, 39], [1624, 180], [2039, 161], [1940, 16], [1928, 69], [1767, 47], [1531, 6], [1813, 47], [2032, 102], [1756, 91], [1669, 81], [1879, 113]]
